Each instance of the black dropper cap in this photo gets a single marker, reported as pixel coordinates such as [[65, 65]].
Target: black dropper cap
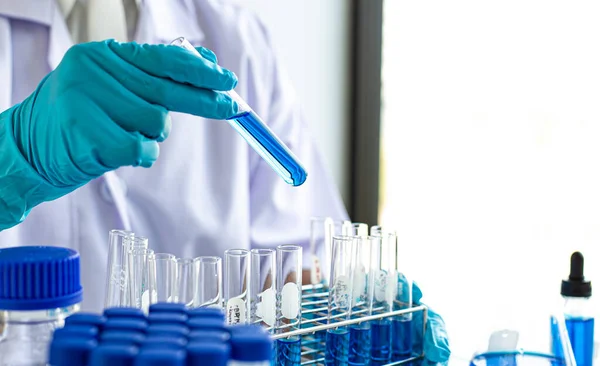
[[576, 285]]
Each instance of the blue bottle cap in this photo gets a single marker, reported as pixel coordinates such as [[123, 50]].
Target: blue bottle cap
[[36, 278], [160, 357], [208, 353], [71, 351], [247, 346], [113, 355], [167, 318], [125, 337], [124, 313], [153, 341], [85, 319], [168, 307], [126, 324], [207, 313], [209, 334], [168, 330], [244, 328], [78, 330], [206, 323]]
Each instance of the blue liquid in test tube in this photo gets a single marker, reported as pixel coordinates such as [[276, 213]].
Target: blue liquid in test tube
[[401, 338], [337, 344], [289, 351], [360, 345], [381, 336], [260, 137], [581, 334]]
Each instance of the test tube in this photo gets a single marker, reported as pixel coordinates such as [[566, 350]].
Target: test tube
[[259, 136], [340, 300], [262, 287], [289, 303], [385, 288], [208, 282], [184, 282], [162, 271], [402, 340], [322, 231], [360, 229], [237, 273], [362, 289], [119, 244], [139, 278]]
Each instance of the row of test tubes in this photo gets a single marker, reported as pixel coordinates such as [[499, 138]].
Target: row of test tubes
[[259, 286], [364, 273]]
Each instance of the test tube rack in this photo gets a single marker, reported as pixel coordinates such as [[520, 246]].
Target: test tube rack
[[314, 319]]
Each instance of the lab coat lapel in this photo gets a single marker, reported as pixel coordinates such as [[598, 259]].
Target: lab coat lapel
[[5, 65], [161, 21], [60, 39]]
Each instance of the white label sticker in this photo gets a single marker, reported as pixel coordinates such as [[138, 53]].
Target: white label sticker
[[236, 311], [290, 300], [360, 283], [266, 308], [146, 301], [391, 288], [340, 292], [380, 279]]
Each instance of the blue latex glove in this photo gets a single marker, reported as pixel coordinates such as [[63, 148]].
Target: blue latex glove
[[105, 106], [435, 339]]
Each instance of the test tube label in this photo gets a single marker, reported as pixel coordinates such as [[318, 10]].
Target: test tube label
[[385, 286], [290, 299], [341, 292], [236, 311], [265, 309]]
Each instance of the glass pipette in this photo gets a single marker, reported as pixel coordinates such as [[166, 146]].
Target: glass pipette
[[256, 133]]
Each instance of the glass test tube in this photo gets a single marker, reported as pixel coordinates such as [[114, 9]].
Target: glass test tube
[[402, 339], [340, 299], [262, 287], [184, 282], [139, 278], [322, 231], [385, 288], [208, 282], [259, 136], [289, 303], [162, 272], [237, 273], [119, 244]]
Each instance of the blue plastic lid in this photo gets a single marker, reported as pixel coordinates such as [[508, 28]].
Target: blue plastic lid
[[85, 319], [208, 353], [78, 330], [124, 313], [168, 330], [176, 342], [167, 318], [168, 307], [125, 337], [251, 346], [209, 334], [113, 355], [71, 351], [206, 323], [160, 357], [36, 278], [207, 312], [243, 328], [126, 324]]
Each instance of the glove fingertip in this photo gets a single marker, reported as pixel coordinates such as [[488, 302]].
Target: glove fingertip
[[207, 54]]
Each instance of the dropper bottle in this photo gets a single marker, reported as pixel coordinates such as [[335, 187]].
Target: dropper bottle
[[577, 292]]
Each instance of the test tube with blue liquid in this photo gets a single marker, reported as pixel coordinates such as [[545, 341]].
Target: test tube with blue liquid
[[289, 303], [260, 137], [402, 340], [385, 288], [337, 340]]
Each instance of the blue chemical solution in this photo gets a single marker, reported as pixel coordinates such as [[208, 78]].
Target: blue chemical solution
[[360, 345], [401, 338], [337, 342], [269, 147], [381, 342], [581, 335], [289, 351]]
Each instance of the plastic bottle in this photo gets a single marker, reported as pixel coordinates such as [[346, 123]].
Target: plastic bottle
[[40, 287], [577, 292]]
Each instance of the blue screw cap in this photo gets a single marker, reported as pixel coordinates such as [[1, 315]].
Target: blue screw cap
[[125, 337], [251, 346], [209, 334], [71, 351], [176, 330], [208, 353], [85, 319], [80, 330], [167, 318], [113, 355], [126, 324], [168, 307], [206, 323], [36, 278], [207, 313], [160, 357], [154, 341], [124, 313]]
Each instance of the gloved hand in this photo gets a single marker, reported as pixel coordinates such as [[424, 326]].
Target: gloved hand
[[434, 341], [105, 106]]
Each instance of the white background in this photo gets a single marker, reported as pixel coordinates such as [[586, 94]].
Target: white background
[[312, 40], [492, 154]]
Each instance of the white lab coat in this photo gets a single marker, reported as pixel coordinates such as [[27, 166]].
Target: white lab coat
[[209, 191]]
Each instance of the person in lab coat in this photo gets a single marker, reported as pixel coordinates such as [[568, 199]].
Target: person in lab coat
[[78, 116]]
